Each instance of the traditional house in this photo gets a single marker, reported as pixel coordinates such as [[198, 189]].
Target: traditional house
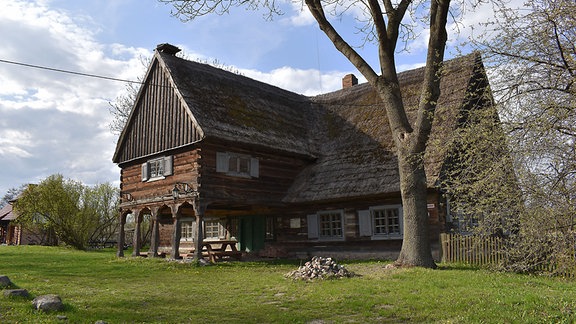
[[9, 233], [214, 153], [12, 233]]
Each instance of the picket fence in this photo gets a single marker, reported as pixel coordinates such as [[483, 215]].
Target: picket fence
[[471, 249], [478, 250]]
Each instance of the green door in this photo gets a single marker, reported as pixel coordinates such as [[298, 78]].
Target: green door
[[252, 233]]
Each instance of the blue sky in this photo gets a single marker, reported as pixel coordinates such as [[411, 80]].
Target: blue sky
[[58, 123]]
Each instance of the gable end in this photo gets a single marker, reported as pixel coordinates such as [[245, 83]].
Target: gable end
[[159, 121]]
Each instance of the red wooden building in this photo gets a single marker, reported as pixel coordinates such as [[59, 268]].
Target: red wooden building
[[212, 152]]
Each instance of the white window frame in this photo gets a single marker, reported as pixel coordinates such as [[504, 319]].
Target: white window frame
[[367, 222], [230, 164], [164, 164], [156, 168], [188, 230], [316, 231], [216, 224], [189, 227]]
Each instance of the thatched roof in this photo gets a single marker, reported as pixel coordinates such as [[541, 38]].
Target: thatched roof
[[355, 147], [345, 132], [232, 107]]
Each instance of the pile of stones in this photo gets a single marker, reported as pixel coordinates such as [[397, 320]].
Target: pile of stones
[[320, 268]]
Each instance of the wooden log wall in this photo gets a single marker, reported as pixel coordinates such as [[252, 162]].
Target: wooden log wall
[[294, 241], [186, 165], [276, 175]]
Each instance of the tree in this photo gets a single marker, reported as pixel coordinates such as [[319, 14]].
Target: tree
[[11, 195], [122, 105], [479, 179], [387, 22], [76, 213], [121, 108], [532, 53]]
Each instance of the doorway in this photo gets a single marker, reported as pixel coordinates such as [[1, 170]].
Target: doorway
[[252, 233]]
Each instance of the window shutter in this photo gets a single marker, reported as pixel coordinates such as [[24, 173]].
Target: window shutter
[[401, 216], [194, 231], [221, 162], [365, 223], [254, 167], [168, 165], [145, 174], [221, 231], [313, 226]]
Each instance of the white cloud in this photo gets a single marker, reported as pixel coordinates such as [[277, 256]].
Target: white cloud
[[406, 67], [54, 122], [13, 142], [300, 15], [307, 82]]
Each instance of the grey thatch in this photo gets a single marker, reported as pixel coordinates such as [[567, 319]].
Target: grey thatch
[[344, 134]]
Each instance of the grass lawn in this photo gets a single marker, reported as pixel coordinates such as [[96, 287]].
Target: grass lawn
[[98, 286]]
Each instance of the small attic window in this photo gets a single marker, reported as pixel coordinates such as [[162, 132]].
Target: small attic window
[[156, 169], [239, 165]]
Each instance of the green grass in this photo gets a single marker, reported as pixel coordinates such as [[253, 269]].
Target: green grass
[[98, 286]]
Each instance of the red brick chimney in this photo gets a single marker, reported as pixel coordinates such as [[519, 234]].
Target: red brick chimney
[[349, 80]]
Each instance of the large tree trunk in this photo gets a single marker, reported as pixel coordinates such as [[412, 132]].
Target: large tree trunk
[[410, 148], [410, 140], [416, 250]]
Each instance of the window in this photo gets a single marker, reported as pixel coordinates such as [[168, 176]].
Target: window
[[188, 232], [466, 223], [235, 164], [239, 164], [386, 221], [157, 168], [381, 222], [213, 230], [326, 225], [330, 224]]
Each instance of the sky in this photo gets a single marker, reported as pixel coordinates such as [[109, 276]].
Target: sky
[[58, 123]]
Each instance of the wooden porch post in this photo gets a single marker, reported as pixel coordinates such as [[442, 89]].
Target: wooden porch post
[[137, 227], [121, 235], [199, 210], [155, 240], [177, 233]]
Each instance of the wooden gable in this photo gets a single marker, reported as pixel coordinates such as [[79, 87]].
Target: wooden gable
[[160, 120]]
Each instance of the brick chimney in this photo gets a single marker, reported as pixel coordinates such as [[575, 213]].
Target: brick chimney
[[167, 48], [349, 80]]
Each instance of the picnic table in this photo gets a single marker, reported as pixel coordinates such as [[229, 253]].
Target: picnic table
[[216, 250]]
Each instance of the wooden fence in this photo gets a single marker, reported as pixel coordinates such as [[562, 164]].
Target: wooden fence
[[471, 249], [478, 250]]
